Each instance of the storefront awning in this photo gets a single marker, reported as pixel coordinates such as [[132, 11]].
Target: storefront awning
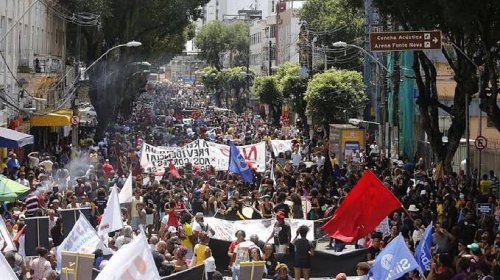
[[13, 139], [58, 118]]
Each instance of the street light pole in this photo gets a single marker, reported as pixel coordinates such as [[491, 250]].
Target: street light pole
[[341, 44], [75, 127]]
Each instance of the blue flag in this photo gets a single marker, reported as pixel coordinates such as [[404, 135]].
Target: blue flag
[[393, 262], [423, 251], [237, 164]]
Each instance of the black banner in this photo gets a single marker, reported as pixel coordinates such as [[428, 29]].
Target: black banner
[[323, 262], [70, 216], [194, 273], [36, 235]]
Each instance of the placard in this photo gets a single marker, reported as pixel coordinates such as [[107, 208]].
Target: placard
[[70, 216], [36, 235], [484, 208], [76, 266]]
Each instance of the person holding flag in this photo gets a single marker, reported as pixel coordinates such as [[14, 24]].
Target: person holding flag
[[394, 261], [238, 165], [423, 251]]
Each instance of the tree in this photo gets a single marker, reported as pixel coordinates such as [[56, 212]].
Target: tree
[[335, 95], [216, 38], [266, 88], [293, 85], [471, 27], [162, 26], [239, 43], [331, 21], [212, 40], [228, 83]]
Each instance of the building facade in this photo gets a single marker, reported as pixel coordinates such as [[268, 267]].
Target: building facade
[[33, 47]]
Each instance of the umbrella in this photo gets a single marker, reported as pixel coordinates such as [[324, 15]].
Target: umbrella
[[10, 190]]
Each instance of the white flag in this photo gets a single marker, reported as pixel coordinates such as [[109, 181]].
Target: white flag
[[5, 237], [132, 262], [281, 146], [111, 219], [272, 175], [81, 239], [6, 270], [126, 192]]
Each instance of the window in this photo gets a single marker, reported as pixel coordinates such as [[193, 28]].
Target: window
[[273, 6]]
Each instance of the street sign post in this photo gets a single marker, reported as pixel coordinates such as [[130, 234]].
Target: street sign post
[[481, 142], [405, 41], [75, 120]]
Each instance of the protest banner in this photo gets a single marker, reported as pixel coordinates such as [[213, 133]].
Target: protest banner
[[70, 216], [36, 235], [112, 218], [6, 238], [263, 228], [157, 159], [254, 154], [201, 153], [6, 270], [197, 272], [133, 261], [281, 146], [81, 239]]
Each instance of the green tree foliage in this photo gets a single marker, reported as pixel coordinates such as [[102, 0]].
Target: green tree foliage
[[293, 85], [472, 26], [216, 38], [239, 42], [163, 26], [331, 21], [212, 40], [226, 83], [333, 95], [266, 88]]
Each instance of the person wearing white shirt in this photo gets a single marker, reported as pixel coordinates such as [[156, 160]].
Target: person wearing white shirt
[[296, 158]]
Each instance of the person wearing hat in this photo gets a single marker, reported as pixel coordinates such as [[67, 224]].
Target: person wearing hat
[[282, 272], [282, 233]]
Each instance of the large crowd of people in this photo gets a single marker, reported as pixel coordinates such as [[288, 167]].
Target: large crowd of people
[[171, 209]]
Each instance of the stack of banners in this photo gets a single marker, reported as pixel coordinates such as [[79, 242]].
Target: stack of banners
[[281, 146], [81, 239], [36, 235], [5, 238], [133, 261], [197, 272], [70, 216], [263, 228], [201, 153]]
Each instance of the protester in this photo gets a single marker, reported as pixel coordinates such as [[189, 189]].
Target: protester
[[302, 255], [180, 202]]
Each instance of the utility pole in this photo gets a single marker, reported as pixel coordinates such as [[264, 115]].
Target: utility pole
[[76, 101], [269, 71]]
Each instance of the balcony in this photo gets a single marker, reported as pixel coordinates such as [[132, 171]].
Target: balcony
[[39, 63]]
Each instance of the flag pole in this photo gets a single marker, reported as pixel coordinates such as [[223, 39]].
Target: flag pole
[[407, 213]]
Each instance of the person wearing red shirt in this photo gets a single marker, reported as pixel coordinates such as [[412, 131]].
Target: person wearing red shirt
[[107, 168]]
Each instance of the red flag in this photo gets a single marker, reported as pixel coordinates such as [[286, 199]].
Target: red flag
[[173, 170], [368, 203]]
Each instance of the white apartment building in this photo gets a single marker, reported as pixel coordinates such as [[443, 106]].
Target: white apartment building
[[288, 31], [32, 41], [282, 30]]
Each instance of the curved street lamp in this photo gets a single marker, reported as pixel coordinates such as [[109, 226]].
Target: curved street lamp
[[128, 45]]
